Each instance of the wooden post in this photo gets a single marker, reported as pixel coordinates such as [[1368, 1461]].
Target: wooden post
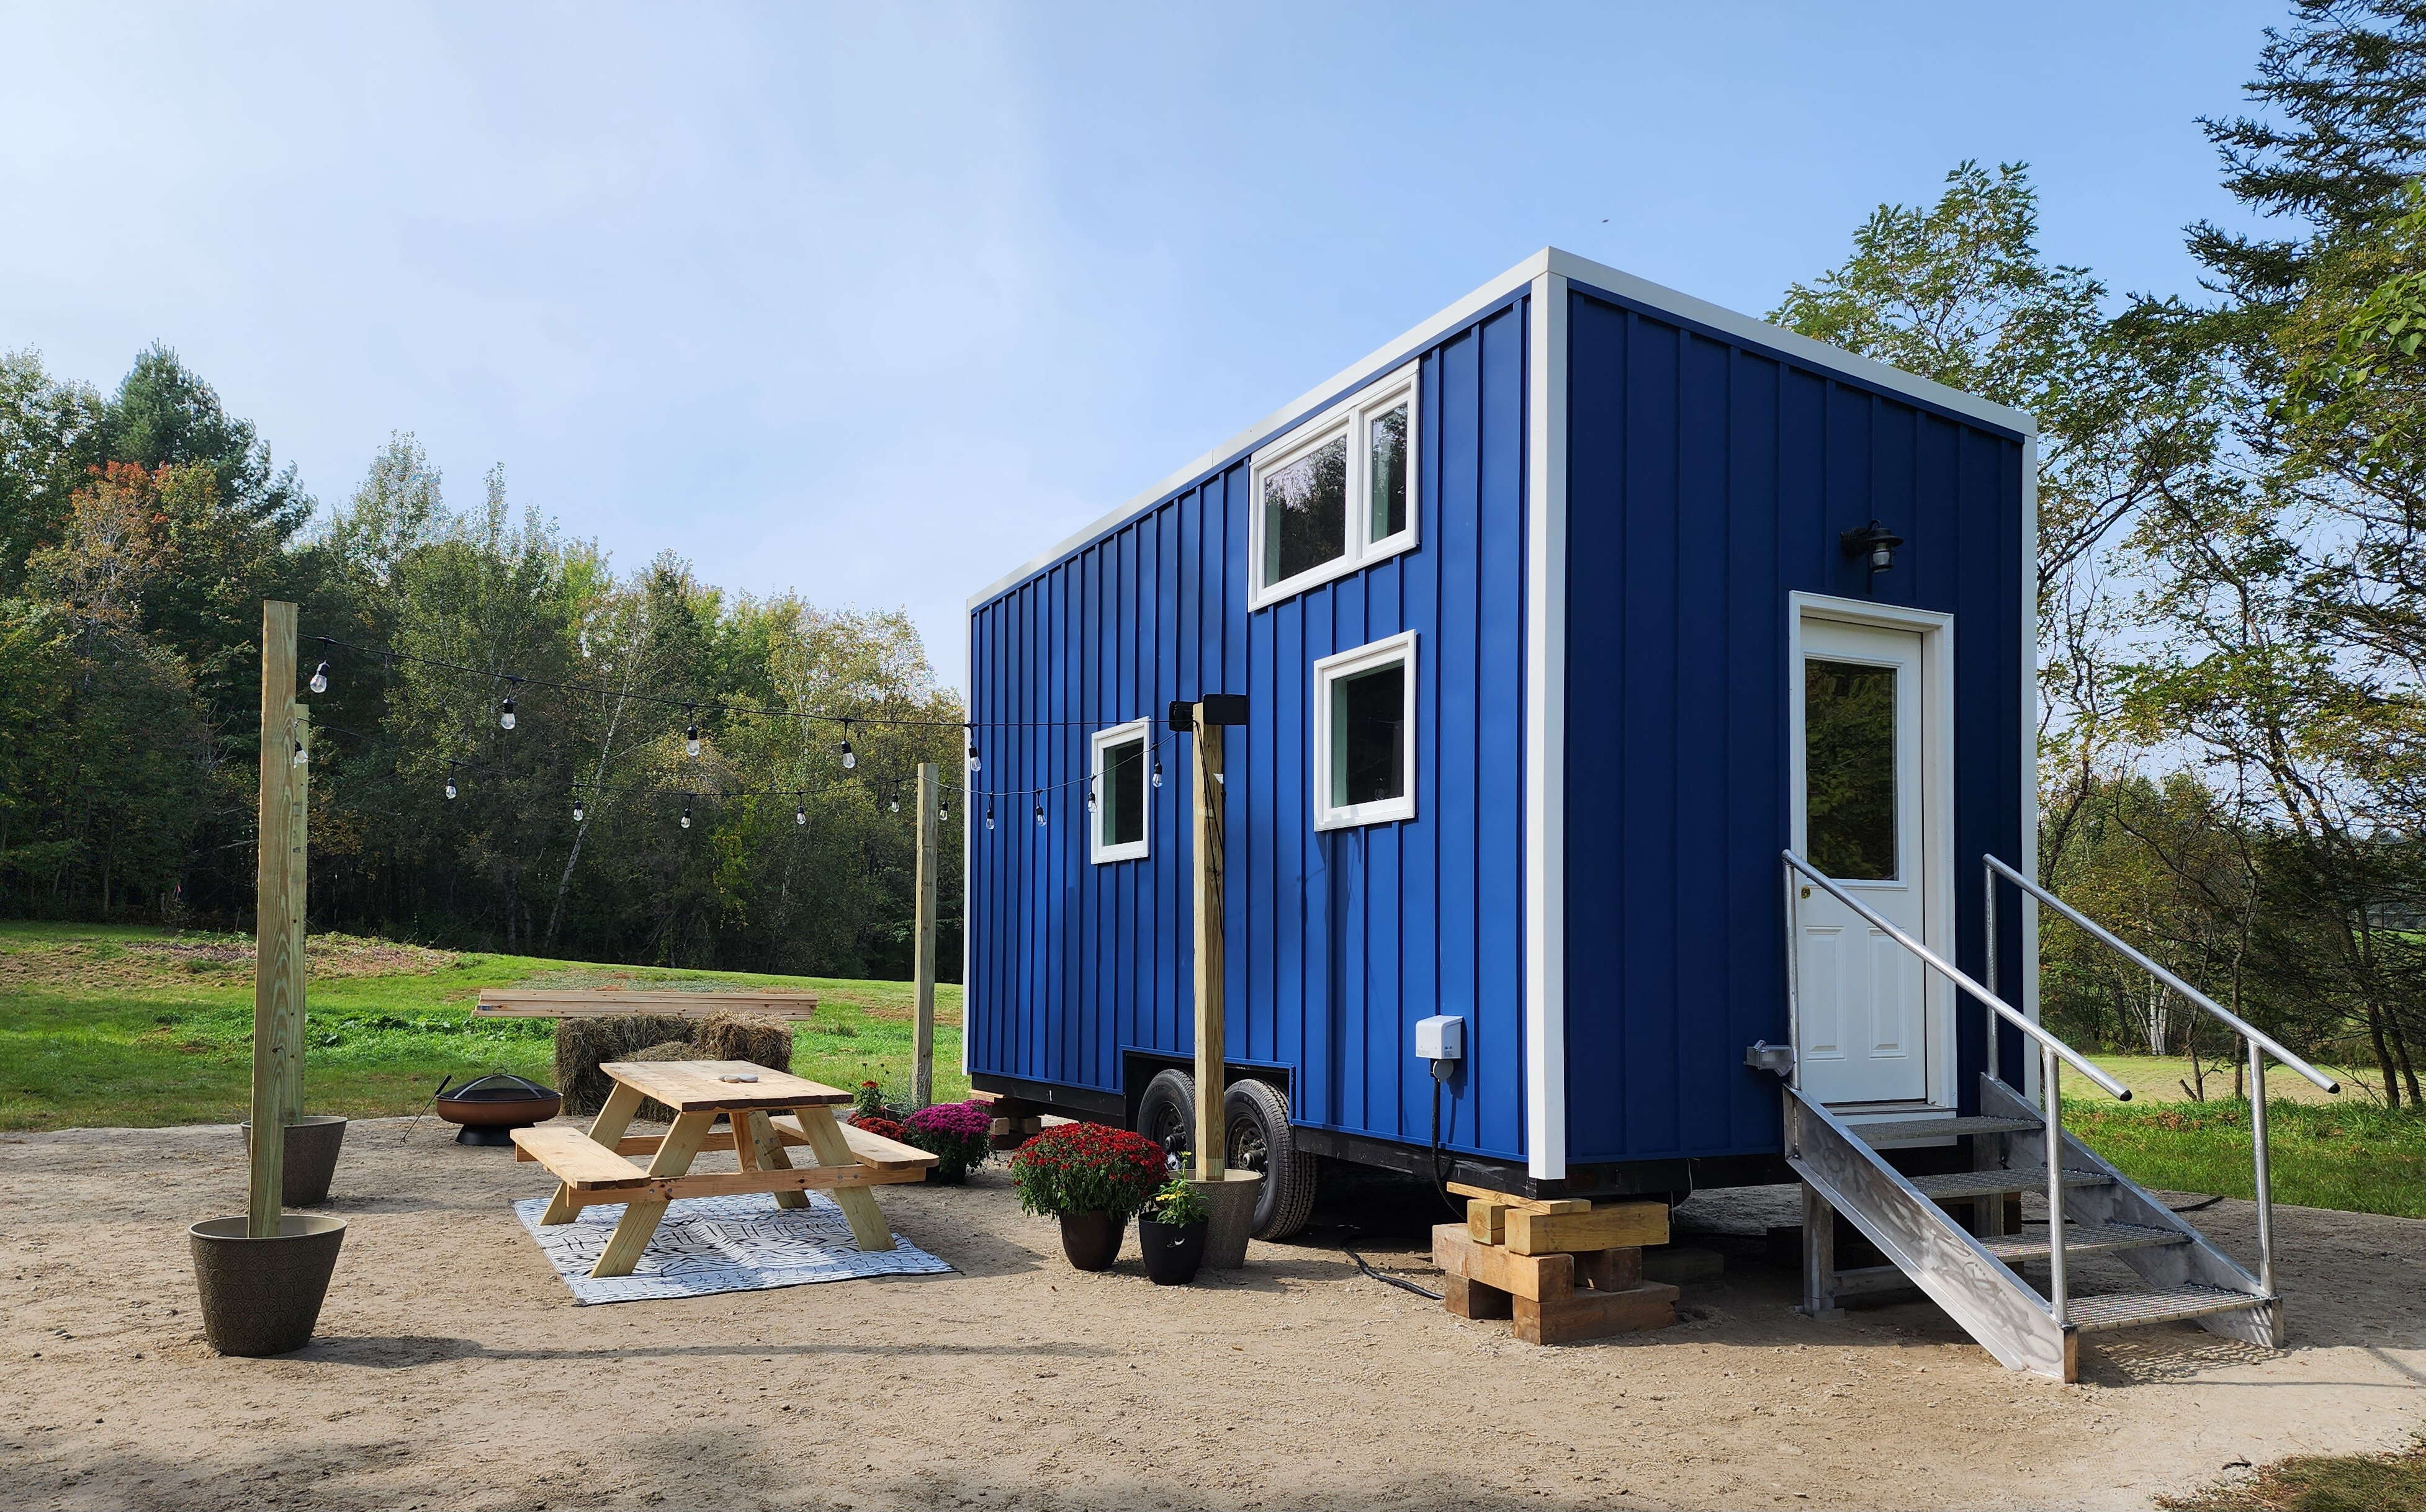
[[277, 960], [930, 846], [1211, 1031], [299, 867]]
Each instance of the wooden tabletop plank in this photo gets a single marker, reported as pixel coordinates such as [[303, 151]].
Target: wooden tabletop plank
[[699, 1086]]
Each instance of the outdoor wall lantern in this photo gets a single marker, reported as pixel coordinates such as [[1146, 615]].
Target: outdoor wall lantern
[[1875, 543]]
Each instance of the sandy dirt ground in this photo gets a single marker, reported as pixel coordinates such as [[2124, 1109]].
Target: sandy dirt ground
[[453, 1370]]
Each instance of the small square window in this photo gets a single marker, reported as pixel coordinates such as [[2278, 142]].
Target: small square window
[[1338, 493], [1364, 734], [1117, 826]]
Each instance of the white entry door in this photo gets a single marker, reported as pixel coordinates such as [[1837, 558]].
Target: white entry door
[[1859, 817]]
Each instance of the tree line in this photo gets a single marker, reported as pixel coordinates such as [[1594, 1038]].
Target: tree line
[[139, 532], [2232, 552]]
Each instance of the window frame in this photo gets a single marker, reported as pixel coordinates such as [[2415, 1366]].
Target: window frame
[[1333, 668], [1098, 851], [1350, 418]]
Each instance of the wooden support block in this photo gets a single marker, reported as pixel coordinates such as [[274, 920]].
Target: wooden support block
[[1595, 1314], [1530, 1204], [1472, 1299], [1619, 1225], [1611, 1270], [1486, 1222], [1537, 1277]]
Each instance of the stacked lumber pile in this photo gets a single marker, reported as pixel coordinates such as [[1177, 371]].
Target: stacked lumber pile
[[1016, 1121], [1563, 1269]]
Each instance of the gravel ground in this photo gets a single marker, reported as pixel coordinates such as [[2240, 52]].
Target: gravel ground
[[452, 1369]]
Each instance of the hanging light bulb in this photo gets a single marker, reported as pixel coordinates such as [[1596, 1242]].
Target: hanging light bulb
[[1039, 814], [1091, 794], [451, 787], [1157, 770], [578, 813], [320, 674], [974, 764], [800, 814], [300, 756], [989, 814], [850, 758], [690, 732], [686, 820], [943, 811], [894, 806], [506, 708]]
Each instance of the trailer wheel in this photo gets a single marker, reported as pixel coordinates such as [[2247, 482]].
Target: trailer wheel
[[1167, 1116], [1260, 1139]]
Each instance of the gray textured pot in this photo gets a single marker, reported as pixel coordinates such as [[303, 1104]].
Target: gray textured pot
[[311, 1144], [262, 1296], [1230, 1212]]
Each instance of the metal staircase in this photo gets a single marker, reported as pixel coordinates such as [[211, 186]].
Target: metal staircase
[[1976, 1271]]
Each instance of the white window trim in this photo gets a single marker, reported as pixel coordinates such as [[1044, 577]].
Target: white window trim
[[1347, 418], [1330, 669], [1100, 741]]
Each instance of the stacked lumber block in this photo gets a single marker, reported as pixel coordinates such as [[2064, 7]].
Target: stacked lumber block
[[1563, 1269], [1016, 1121]]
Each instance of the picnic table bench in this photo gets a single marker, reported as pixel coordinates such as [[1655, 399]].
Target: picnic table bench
[[590, 1168]]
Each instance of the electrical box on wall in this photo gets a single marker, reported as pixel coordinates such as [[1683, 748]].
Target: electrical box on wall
[[1440, 1037]]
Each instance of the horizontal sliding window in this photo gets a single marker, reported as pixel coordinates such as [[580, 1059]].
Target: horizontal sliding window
[[1336, 493]]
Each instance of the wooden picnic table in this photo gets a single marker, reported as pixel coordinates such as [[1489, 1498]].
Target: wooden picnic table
[[590, 1168]]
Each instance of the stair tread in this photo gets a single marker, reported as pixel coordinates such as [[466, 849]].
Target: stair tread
[[2082, 1239], [1877, 1133], [2128, 1310], [1989, 1183]]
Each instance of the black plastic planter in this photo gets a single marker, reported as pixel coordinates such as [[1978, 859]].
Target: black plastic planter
[[1090, 1240], [262, 1296], [1173, 1250], [311, 1145]]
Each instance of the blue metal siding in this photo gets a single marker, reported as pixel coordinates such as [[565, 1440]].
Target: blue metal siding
[[1337, 942], [1708, 480]]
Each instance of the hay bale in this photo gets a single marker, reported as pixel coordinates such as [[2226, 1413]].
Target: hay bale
[[759, 1040], [581, 1044]]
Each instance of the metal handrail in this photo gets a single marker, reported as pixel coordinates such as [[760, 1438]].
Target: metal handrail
[[2260, 1046], [2104, 936], [2052, 1054], [1955, 975]]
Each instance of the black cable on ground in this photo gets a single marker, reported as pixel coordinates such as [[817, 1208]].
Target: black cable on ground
[[1400, 1281]]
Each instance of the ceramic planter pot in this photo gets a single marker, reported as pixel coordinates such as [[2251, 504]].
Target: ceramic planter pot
[[1173, 1250], [1092, 1240], [941, 1174], [1230, 1207], [262, 1296], [311, 1159]]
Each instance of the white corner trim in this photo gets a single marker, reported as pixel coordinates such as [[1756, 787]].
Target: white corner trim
[[1099, 851], [1330, 669], [1545, 731]]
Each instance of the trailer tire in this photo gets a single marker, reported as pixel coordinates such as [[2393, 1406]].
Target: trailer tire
[[1168, 1109], [1260, 1138]]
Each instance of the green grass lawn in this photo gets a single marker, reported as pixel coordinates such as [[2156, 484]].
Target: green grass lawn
[[2356, 1156], [112, 1025]]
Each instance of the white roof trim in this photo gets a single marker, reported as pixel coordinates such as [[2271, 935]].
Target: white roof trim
[[1548, 259]]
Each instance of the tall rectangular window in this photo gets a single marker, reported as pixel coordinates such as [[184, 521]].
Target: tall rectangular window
[[1849, 764], [1338, 492], [1364, 734], [1117, 794]]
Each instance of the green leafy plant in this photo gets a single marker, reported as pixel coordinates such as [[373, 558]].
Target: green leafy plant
[[1176, 1204]]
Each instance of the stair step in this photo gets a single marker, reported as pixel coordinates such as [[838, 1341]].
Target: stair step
[[1878, 1134], [2082, 1239], [2131, 1310], [1989, 1183]]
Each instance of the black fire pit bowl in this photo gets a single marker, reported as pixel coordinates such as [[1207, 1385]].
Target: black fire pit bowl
[[491, 1109]]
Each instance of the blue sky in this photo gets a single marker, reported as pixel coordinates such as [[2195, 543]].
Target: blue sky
[[873, 302]]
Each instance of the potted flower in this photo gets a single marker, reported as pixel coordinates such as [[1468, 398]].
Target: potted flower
[[1171, 1233], [957, 1135], [1092, 1177], [882, 1128]]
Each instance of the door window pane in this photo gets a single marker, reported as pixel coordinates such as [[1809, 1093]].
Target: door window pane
[[1849, 768], [1305, 512], [1123, 805], [1368, 760], [1386, 438]]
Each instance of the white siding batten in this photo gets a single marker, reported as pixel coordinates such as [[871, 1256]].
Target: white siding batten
[[1546, 733]]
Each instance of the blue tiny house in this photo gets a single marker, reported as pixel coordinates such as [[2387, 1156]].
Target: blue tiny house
[[1558, 619]]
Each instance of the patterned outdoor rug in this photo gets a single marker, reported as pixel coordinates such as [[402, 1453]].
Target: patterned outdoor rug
[[707, 1244]]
